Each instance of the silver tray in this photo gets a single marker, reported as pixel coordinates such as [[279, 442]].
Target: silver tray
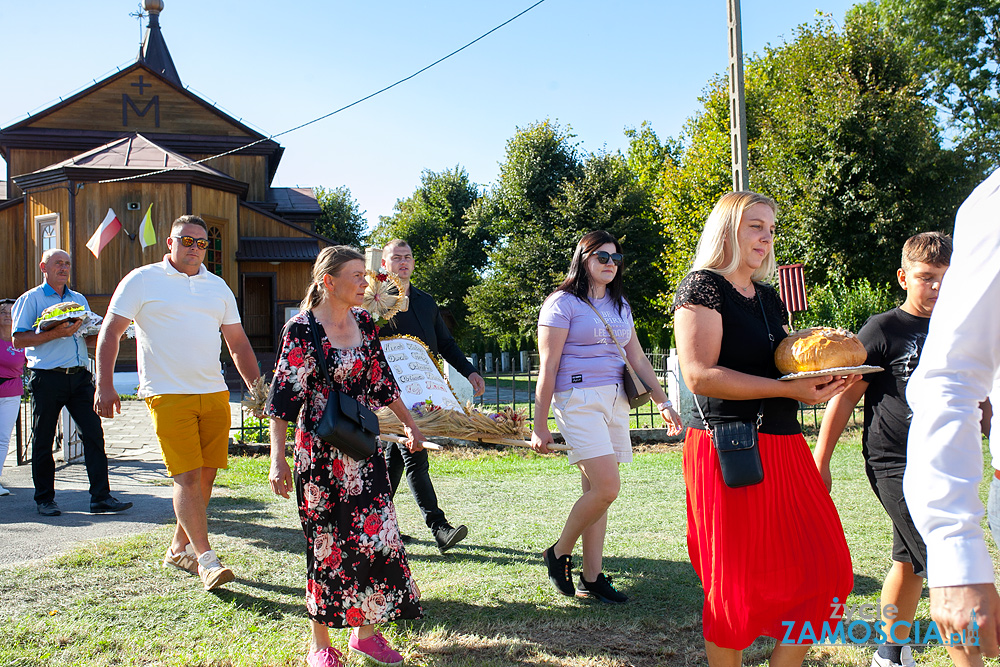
[[841, 370]]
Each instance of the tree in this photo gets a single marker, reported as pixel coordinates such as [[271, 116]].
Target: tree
[[956, 45], [341, 219], [547, 197], [448, 253], [840, 136]]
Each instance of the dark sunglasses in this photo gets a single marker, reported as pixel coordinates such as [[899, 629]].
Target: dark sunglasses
[[188, 241], [603, 257]]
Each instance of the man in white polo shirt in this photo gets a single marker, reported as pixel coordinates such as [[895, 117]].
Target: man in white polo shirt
[[179, 308]]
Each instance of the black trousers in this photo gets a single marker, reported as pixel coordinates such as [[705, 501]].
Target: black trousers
[[51, 392], [399, 457]]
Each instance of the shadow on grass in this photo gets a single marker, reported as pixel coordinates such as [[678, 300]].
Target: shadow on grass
[[264, 605]]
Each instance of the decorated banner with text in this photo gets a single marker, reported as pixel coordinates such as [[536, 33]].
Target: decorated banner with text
[[418, 377]]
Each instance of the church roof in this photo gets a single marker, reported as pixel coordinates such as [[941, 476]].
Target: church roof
[[131, 155], [154, 53], [132, 152], [293, 200]]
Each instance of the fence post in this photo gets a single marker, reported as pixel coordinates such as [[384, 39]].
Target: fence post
[[525, 360], [489, 362], [505, 361]]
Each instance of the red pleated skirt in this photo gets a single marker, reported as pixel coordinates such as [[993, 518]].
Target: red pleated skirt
[[766, 553]]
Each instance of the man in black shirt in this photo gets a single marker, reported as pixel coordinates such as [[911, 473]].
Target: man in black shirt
[[893, 340], [422, 320]]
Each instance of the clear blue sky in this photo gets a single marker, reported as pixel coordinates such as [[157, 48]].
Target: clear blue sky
[[597, 66]]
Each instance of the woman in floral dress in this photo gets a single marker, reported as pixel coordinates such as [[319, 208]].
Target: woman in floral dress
[[357, 570]]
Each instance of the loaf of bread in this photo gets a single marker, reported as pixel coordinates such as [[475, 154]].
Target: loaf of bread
[[59, 313], [817, 349]]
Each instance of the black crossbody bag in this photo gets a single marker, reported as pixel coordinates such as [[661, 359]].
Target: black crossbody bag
[[346, 424], [736, 442]]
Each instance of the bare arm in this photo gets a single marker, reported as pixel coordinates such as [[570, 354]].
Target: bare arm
[[413, 434], [280, 476], [241, 352], [838, 413], [640, 364], [551, 341], [106, 400], [698, 331], [23, 339]]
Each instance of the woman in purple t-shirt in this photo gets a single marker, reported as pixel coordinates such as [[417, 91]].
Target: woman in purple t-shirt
[[11, 368], [581, 379]]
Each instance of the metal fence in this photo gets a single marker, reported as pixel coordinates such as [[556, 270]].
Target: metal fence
[[510, 383]]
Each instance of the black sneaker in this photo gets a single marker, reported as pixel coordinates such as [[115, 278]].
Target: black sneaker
[[49, 509], [109, 506], [560, 570], [600, 589], [448, 536]]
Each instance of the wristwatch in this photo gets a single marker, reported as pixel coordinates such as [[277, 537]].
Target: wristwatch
[[664, 405]]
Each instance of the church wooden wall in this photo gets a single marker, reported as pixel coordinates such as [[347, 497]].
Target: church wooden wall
[[291, 280], [24, 161], [222, 208], [250, 169], [99, 276], [12, 238], [253, 224], [139, 102]]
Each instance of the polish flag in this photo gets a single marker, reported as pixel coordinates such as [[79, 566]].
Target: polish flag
[[104, 233]]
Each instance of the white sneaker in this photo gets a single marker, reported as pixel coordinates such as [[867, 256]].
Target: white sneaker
[[3, 491], [905, 659]]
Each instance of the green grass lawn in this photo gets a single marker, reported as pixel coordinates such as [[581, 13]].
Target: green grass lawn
[[487, 602]]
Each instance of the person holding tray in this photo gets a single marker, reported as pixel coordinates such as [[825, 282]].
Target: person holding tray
[[357, 572], [580, 328], [893, 340], [773, 551]]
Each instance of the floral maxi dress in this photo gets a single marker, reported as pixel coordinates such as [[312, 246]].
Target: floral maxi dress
[[357, 573]]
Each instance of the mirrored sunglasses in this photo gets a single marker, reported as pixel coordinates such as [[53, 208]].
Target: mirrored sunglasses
[[603, 257], [188, 241]]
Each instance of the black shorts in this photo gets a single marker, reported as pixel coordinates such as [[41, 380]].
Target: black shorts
[[907, 544]]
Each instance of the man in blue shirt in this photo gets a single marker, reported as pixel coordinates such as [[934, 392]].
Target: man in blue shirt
[[58, 362]]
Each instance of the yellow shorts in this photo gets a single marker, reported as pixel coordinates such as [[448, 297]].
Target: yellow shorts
[[193, 430]]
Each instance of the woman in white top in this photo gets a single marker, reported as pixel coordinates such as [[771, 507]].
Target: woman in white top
[[581, 378]]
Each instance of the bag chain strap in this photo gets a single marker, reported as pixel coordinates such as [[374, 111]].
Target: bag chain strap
[[635, 378], [760, 412]]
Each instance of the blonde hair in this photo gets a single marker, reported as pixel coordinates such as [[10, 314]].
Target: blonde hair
[[330, 261], [721, 226]]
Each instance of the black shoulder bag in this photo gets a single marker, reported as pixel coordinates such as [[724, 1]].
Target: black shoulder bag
[[346, 424], [736, 442]]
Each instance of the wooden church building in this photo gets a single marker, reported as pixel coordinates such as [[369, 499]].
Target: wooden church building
[[136, 138]]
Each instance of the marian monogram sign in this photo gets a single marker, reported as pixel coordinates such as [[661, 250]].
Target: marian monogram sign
[[418, 377]]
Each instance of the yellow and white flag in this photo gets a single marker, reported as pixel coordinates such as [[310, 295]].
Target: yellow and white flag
[[147, 235]]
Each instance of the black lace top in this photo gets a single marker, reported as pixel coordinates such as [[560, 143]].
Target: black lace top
[[745, 348]]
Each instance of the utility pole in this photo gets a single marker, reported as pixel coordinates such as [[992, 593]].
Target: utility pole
[[737, 101]]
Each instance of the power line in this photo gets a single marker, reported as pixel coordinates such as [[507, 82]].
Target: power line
[[343, 108]]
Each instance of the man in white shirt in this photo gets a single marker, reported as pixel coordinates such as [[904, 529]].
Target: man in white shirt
[[959, 366], [179, 308]]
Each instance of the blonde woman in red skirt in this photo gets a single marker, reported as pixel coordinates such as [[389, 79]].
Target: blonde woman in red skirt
[[771, 552]]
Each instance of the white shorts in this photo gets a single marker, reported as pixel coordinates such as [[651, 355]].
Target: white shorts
[[594, 422]]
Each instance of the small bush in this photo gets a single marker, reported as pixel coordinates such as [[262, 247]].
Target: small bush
[[838, 304]]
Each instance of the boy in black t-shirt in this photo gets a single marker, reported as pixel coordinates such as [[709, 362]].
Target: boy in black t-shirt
[[894, 340]]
